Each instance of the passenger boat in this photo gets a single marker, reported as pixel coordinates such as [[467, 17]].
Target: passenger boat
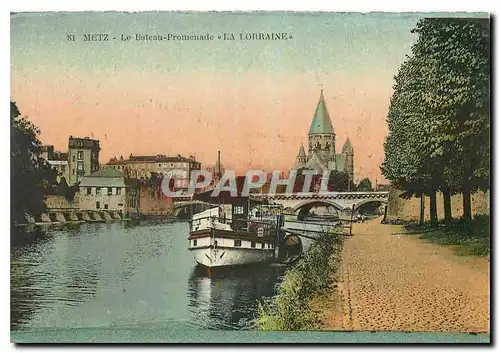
[[228, 235]]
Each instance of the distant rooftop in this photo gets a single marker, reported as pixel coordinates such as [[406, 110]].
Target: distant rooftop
[[54, 155], [151, 159], [106, 177], [106, 173], [83, 142], [59, 156]]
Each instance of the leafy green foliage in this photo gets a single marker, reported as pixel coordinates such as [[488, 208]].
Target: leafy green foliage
[[439, 113], [467, 236], [32, 178], [365, 185], [65, 190], [338, 181], [310, 276]]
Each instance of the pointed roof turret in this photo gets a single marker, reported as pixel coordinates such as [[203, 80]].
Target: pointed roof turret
[[347, 148], [321, 123], [300, 162], [302, 152]]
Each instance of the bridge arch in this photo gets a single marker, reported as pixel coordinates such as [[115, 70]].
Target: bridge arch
[[324, 202], [364, 202], [303, 207], [185, 208]]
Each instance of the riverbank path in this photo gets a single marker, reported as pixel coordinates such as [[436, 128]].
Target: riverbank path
[[392, 281]]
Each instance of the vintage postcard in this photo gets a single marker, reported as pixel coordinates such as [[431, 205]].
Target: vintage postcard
[[250, 177]]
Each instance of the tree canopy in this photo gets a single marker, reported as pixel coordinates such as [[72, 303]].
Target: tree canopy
[[31, 176], [438, 118], [365, 185]]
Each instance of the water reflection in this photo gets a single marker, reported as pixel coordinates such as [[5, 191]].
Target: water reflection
[[228, 298], [100, 275]]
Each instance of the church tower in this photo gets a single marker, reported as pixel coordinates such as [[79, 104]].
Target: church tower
[[321, 135], [301, 158], [348, 151]]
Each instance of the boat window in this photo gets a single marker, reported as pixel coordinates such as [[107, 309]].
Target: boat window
[[252, 244], [238, 210], [262, 245], [195, 242], [237, 242]]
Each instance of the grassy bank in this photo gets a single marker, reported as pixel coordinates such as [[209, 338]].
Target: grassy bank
[[468, 237], [311, 276]]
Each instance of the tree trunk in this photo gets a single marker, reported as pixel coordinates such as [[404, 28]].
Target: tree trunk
[[422, 208], [467, 204], [447, 207], [433, 208]]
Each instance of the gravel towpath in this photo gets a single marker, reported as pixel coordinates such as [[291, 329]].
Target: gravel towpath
[[391, 281]]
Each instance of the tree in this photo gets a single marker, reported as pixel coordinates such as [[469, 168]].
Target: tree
[[338, 181], [365, 185], [31, 176], [454, 57], [405, 165], [67, 191], [438, 118]]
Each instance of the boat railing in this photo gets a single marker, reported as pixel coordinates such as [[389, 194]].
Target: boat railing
[[261, 228]]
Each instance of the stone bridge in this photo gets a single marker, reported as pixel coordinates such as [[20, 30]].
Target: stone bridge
[[345, 203], [184, 204]]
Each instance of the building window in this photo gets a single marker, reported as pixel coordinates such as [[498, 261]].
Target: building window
[[237, 243], [63, 168], [73, 158], [80, 166], [80, 155], [89, 191], [105, 206], [73, 171], [110, 191], [238, 209], [97, 191], [97, 205], [118, 191], [252, 244]]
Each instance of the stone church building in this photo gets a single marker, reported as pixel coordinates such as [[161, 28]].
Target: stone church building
[[321, 154]]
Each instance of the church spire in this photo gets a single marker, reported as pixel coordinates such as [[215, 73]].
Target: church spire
[[302, 151], [301, 158], [347, 148], [321, 123]]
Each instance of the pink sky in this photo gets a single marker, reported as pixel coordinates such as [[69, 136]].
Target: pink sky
[[257, 120]]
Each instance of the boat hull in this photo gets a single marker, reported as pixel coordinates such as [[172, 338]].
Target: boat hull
[[216, 247], [224, 257]]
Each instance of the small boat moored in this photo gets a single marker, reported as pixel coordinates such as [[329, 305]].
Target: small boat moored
[[227, 234]]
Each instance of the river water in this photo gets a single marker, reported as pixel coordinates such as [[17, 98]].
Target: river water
[[117, 282], [95, 275]]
